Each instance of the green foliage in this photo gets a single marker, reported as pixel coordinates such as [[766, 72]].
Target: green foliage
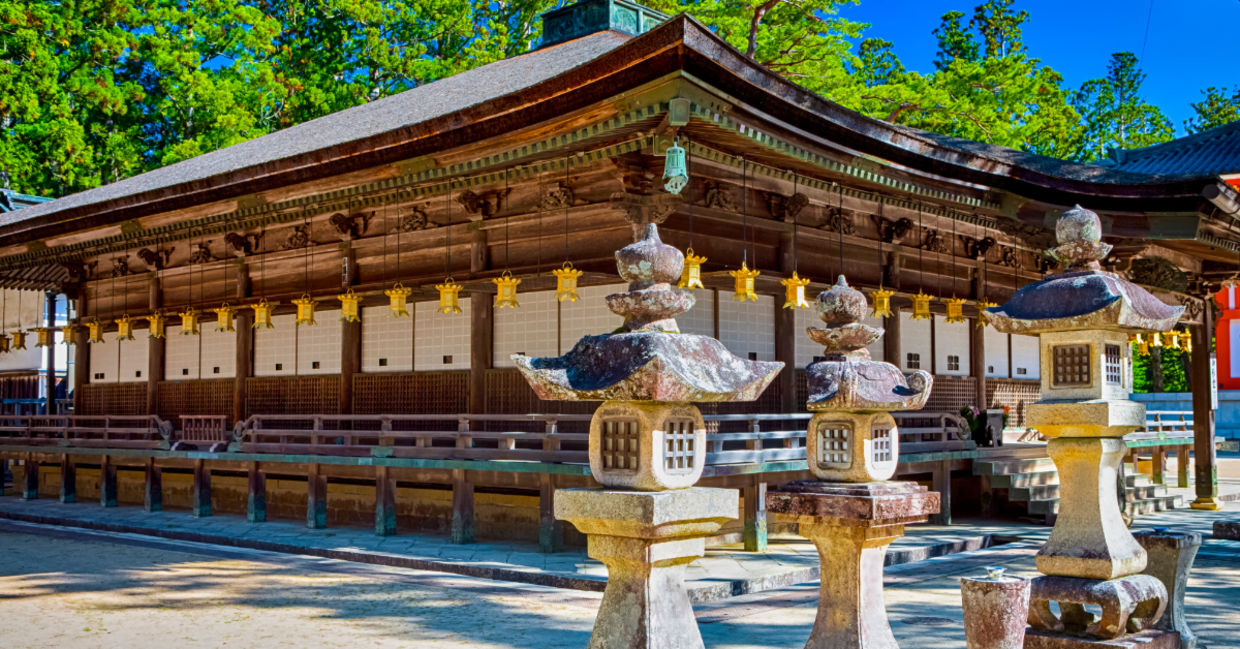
[[1218, 108], [1114, 115]]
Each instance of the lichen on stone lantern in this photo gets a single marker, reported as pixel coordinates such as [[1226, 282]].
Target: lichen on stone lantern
[[647, 447], [1083, 317]]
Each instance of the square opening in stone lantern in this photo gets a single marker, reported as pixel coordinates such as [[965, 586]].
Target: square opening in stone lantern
[[1086, 365], [852, 447], [647, 446]]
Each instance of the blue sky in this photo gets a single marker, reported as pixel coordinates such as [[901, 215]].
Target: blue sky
[[1191, 43]]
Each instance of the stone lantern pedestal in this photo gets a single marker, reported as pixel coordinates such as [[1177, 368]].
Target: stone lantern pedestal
[[852, 525], [646, 539]]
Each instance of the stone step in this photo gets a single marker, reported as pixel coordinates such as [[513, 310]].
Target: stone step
[[1010, 466], [1022, 480], [1030, 494], [1135, 507]]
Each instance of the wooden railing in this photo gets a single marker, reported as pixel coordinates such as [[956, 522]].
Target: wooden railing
[[209, 431], [95, 431], [1165, 424]]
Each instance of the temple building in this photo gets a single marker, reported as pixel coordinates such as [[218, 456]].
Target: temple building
[[392, 258]]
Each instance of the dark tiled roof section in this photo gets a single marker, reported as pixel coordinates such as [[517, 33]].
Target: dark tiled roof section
[[398, 111], [1209, 153], [1076, 294]]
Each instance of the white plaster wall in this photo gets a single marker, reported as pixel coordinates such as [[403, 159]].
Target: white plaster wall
[[320, 344], [914, 337], [700, 319], [951, 339], [385, 337], [103, 360], [181, 354], [1025, 355], [589, 315], [996, 353], [23, 310], [277, 345], [437, 335], [134, 356], [217, 353], [532, 329], [748, 327]]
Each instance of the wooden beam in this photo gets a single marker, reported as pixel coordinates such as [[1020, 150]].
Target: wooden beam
[[350, 335], [256, 497], [385, 501], [755, 531], [977, 353], [316, 497], [785, 332], [244, 347], [68, 479], [158, 348], [153, 487], [30, 477], [942, 483], [81, 354], [200, 492], [49, 358], [1205, 466], [550, 530], [462, 507], [107, 481]]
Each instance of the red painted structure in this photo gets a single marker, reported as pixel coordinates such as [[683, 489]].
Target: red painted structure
[[1227, 337]]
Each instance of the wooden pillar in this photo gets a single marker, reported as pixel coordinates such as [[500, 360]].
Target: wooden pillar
[[1183, 455], [256, 498], [81, 353], [200, 494], [153, 487], [977, 351], [1205, 468], [49, 360], [786, 333], [1158, 461], [68, 479], [1156, 373], [245, 345], [316, 497], [755, 532], [158, 349], [30, 478], [385, 501], [481, 328], [107, 481], [350, 334], [4, 472], [942, 483], [462, 507], [891, 336], [550, 530]]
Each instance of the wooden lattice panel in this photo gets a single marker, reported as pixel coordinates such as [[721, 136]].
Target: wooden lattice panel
[[1015, 395], [950, 394], [112, 399], [195, 397], [291, 395], [431, 393]]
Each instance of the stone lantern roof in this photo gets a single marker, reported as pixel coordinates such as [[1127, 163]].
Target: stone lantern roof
[[1083, 296], [648, 359]]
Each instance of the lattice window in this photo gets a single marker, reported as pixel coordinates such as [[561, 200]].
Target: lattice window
[[619, 445], [880, 444], [678, 448], [834, 444], [1071, 364], [914, 361], [1114, 368], [953, 363]]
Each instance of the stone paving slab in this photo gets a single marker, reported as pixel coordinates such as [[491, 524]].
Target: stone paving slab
[[725, 571]]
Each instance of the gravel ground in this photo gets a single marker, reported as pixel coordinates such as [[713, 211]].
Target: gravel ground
[[68, 589]]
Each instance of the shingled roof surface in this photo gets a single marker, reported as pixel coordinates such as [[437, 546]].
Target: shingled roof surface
[[411, 107], [1209, 153]]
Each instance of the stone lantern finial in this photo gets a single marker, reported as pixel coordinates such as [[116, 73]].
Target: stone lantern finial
[[652, 269], [842, 308], [1079, 232]]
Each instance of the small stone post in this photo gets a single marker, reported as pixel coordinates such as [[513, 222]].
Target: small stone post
[[1083, 317], [995, 609], [1171, 556], [647, 448], [851, 512]]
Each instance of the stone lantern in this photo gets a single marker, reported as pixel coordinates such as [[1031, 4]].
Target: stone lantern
[[1083, 317], [852, 513], [647, 447]]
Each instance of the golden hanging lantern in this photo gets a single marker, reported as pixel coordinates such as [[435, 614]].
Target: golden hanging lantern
[[224, 317], [507, 295], [983, 315], [43, 336], [158, 322], [124, 328], [1188, 343], [305, 310], [189, 322], [69, 332], [262, 314], [19, 339], [794, 291], [350, 310], [1172, 339], [566, 282], [1143, 345], [4, 344], [921, 306], [398, 300], [955, 310], [882, 303], [449, 296], [1156, 340], [742, 287], [95, 329], [691, 276]]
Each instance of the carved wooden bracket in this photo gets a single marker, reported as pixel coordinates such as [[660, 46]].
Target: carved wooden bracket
[[889, 230], [482, 205], [120, 266], [641, 209], [351, 226], [933, 241], [839, 221], [415, 219], [975, 248], [785, 208], [717, 195], [243, 244], [298, 238], [558, 197], [201, 254], [156, 258]]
